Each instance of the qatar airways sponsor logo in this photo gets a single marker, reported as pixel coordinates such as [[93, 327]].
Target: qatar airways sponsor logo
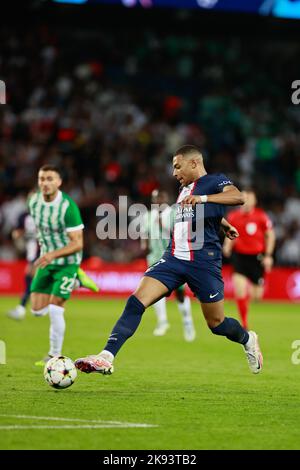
[[186, 212]]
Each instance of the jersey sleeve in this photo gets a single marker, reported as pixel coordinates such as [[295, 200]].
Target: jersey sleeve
[[266, 222], [222, 181], [31, 201], [73, 218]]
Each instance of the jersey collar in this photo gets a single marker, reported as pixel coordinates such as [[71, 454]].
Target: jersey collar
[[55, 201]]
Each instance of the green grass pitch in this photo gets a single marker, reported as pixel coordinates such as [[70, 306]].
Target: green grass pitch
[[198, 395]]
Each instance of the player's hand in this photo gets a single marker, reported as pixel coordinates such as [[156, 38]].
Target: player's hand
[[231, 233], [44, 260], [267, 262], [190, 200]]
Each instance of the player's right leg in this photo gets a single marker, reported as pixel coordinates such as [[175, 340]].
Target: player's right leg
[[159, 280], [40, 308], [240, 284], [40, 297], [149, 291]]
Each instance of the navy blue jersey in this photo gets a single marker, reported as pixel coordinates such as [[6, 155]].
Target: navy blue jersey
[[196, 229]]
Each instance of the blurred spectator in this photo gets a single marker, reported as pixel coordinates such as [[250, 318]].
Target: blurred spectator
[[111, 108]]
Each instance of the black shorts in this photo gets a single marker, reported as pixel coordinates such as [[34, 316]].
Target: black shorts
[[249, 266]]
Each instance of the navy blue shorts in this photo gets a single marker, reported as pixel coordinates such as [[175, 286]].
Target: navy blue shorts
[[204, 276]]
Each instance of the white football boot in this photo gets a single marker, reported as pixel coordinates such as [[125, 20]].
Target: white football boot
[[161, 329], [189, 332], [94, 364], [17, 313], [253, 353]]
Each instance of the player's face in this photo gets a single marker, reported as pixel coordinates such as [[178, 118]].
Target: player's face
[[49, 182], [183, 170]]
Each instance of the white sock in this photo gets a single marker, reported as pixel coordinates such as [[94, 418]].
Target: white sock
[[161, 311], [57, 329], [40, 313], [249, 342], [185, 309], [107, 355]]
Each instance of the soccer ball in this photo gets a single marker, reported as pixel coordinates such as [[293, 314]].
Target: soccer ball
[[60, 372]]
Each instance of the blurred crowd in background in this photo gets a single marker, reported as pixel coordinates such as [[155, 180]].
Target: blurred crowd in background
[[110, 108]]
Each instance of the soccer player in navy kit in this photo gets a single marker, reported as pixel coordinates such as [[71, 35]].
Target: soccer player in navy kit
[[194, 256]]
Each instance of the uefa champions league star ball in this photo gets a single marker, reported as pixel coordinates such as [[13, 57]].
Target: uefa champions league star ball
[[60, 372]]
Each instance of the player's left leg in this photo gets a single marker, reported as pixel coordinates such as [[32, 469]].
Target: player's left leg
[[207, 284], [184, 307], [233, 330]]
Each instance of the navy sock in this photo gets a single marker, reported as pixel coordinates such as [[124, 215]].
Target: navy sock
[[126, 325], [233, 330], [26, 294]]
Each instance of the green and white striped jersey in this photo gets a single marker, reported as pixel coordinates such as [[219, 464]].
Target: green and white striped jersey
[[158, 232], [53, 221]]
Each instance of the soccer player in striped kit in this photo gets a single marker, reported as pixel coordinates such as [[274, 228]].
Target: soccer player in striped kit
[[194, 256], [60, 235]]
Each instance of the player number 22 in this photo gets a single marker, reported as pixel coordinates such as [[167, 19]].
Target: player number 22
[[67, 284]]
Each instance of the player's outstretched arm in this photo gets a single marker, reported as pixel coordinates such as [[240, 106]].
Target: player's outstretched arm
[[75, 244], [231, 196]]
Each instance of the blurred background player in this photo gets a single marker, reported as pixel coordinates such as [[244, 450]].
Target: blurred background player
[[60, 235], [157, 229], [25, 231], [251, 252], [25, 234]]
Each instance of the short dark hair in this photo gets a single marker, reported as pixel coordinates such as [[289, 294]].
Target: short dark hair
[[49, 167], [186, 150]]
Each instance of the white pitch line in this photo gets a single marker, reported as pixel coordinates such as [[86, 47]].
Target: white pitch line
[[100, 423], [79, 426]]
